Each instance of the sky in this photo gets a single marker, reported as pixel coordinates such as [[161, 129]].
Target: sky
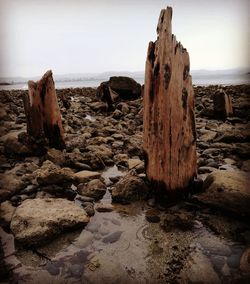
[[94, 36]]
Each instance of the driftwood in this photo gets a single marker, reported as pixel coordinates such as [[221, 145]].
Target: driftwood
[[169, 123], [44, 123]]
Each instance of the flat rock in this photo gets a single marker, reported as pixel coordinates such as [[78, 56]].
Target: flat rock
[[135, 163], [84, 176], [229, 190], [101, 207], [37, 220]]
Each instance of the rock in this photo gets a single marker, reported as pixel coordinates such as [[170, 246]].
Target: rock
[[233, 136], [169, 134], [3, 114], [204, 170], [182, 221], [89, 209], [152, 215], [136, 164], [12, 146], [101, 151], [85, 198], [85, 176], [127, 88], [94, 188], [102, 207], [245, 261], [117, 114], [43, 113], [37, 220], [7, 210], [198, 269], [10, 183], [228, 190], [112, 238], [55, 156], [246, 166], [98, 106], [222, 105], [129, 188], [49, 173], [208, 136]]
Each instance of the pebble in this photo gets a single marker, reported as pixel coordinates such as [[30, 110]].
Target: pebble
[[112, 238]]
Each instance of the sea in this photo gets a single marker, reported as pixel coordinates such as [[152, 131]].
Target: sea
[[197, 79]]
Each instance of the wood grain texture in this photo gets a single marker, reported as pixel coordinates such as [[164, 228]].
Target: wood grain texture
[[169, 137], [42, 112]]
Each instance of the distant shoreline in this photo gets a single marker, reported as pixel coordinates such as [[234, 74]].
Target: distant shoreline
[[95, 87]]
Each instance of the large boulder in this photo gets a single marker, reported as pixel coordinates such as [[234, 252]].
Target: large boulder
[[229, 190], [129, 188], [120, 87], [126, 87], [37, 220]]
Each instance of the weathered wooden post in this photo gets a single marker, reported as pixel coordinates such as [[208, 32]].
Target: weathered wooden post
[[169, 137], [43, 113]]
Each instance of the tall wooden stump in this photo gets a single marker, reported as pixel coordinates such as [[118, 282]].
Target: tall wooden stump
[[42, 112], [169, 137]]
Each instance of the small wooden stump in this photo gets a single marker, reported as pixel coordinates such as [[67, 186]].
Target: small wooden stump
[[222, 105], [42, 112], [169, 137]]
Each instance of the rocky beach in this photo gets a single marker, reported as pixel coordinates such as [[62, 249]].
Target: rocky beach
[[87, 212]]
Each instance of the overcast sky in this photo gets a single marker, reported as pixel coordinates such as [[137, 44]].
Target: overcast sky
[[85, 36]]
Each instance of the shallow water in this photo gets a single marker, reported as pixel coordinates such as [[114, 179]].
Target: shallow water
[[123, 247]]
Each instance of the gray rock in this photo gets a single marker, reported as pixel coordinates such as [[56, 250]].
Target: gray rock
[[229, 190]]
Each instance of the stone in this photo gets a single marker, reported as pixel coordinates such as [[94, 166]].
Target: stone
[[227, 190], [182, 221], [7, 210], [85, 176], [222, 104], [245, 261], [43, 113], [102, 151], [55, 156], [118, 87], [246, 166], [169, 133], [89, 209], [38, 220], [12, 146], [94, 188], [127, 88], [135, 164], [10, 184], [129, 188], [49, 173], [152, 215], [102, 207], [198, 269]]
